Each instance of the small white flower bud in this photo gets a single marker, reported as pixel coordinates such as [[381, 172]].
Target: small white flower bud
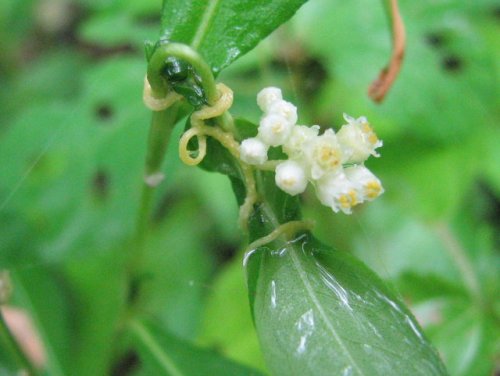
[[291, 177], [253, 151], [323, 154], [368, 185], [300, 134], [274, 129], [337, 192], [358, 140], [284, 109], [267, 97]]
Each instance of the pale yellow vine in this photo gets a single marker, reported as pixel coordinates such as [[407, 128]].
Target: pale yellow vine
[[158, 104], [200, 130], [289, 230]]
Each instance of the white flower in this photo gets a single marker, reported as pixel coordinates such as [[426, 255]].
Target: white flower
[[323, 154], [300, 134], [358, 140], [284, 109], [291, 177], [338, 192], [253, 151], [320, 159], [274, 129], [267, 97], [368, 185]]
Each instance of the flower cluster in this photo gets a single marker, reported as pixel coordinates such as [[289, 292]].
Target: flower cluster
[[332, 162]]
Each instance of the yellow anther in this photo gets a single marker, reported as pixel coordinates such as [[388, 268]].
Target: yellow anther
[[366, 128], [372, 139], [329, 156], [372, 189], [354, 197]]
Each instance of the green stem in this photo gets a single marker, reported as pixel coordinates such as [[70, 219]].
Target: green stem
[[9, 343], [459, 256], [162, 124], [181, 51]]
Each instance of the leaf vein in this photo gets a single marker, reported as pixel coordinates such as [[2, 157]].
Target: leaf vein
[[205, 23], [312, 295]]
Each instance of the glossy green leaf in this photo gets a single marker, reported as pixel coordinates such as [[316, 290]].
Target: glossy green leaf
[[322, 312], [163, 354], [223, 30]]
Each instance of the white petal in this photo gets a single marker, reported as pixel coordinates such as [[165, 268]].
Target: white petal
[[267, 97], [274, 129], [368, 185], [291, 177], [323, 154], [348, 118], [337, 192], [284, 109], [300, 134], [253, 151]]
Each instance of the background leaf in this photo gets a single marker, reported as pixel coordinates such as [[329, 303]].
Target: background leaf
[[228, 325], [163, 354], [39, 292]]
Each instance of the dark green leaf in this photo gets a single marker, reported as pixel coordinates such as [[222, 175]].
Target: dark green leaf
[[322, 312], [163, 354], [223, 30]]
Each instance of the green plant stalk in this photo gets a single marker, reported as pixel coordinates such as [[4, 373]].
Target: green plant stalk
[[162, 124], [7, 341]]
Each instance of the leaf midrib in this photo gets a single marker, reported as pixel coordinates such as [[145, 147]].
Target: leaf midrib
[[303, 277], [155, 349], [205, 23]]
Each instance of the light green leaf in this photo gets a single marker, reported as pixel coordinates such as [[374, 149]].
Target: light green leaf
[[234, 336], [220, 30], [163, 354], [467, 338], [177, 267], [444, 88], [97, 308], [36, 289]]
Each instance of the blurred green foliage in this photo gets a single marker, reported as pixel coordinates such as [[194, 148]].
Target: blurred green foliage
[[72, 146]]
